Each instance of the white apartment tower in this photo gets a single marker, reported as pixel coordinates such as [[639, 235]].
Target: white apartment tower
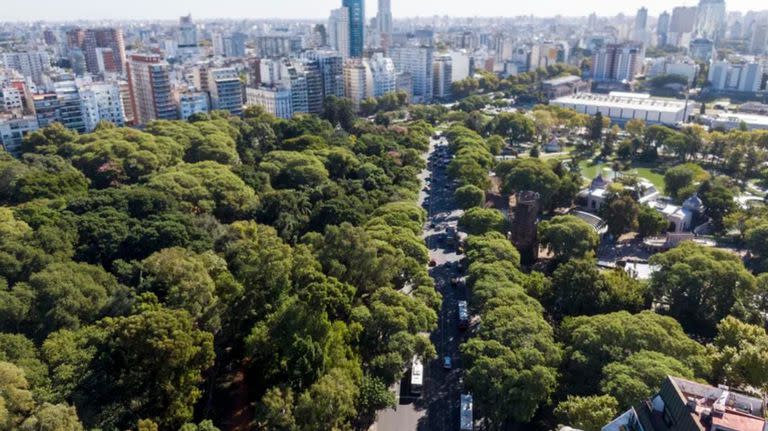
[[338, 31], [358, 81], [384, 75]]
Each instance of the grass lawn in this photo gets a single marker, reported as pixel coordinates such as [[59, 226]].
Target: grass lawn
[[590, 171]]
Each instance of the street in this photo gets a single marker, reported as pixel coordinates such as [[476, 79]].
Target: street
[[437, 408]]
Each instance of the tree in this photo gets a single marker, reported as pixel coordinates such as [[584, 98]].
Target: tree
[[579, 288], [152, 361], [592, 342], [188, 281], [596, 128], [490, 248], [587, 413], [469, 196], [678, 180], [329, 404], [339, 111], [374, 396], [529, 175], [477, 221], [639, 376], [650, 222], [718, 202], [700, 286], [275, 411], [568, 237], [740, 354], [70, 294], [621, 214]]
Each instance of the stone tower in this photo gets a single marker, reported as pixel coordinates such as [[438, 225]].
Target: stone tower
[[523, 221]]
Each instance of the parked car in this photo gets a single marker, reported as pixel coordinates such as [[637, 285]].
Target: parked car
[[447, 363]]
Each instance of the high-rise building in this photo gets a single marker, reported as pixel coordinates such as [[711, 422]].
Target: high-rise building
[[702, 50], [442, 76], [49, 37], [275, 45], [191, 103], [356, 26], [331, 66], [75, 38], [710, 20], [13, 129], [460, 65], [338, 31], [150, 89], [384, 21], [33, 64], [759, 43], [226, 90], [681, 26], [617, 62], [187, 38], [358, 81], [101, 102], [315, 91], [418, 62], [662, 28], [62, 106], [384, 75], [640, 31], [104, 50], [276, 100], [745, 76]]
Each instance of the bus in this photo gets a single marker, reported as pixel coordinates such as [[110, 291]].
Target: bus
[[417, 376], [463, 315], [466, 421]]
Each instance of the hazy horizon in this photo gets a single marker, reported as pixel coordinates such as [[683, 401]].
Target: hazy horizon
[[56, 10]]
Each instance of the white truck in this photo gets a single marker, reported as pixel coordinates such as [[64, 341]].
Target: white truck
[[466, 421], [417, 376]]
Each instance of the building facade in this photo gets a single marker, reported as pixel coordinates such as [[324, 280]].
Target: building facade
[[150, 89]]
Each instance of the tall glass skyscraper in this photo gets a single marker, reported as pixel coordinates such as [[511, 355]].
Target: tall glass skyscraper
[[356, 26]]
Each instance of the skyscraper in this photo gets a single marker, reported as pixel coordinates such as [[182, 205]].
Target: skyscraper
[[384, 20], [418, 62], [150, 89], [681, 26], [759, 42], [226, 90], [710, 20], [104, 50], [662, 28], [384, 75], [187, 33], [356, 26], [641, 25], [617, 62], [338, 31], [442, 73], [358, 81]]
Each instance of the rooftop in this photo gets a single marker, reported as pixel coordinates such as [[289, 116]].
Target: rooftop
[[690, 406], [562, 80], [624, 101]]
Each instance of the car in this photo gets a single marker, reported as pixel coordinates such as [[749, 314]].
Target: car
[[432, 263], [447, 363]]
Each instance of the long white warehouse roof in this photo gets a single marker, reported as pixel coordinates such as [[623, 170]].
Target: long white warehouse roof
[[623, 101]]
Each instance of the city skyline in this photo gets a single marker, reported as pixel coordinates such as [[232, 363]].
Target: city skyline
[[318, 9]]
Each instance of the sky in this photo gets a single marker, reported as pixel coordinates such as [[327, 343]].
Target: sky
[[54, 10]]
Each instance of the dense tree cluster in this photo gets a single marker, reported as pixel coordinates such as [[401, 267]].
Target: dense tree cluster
[[146, 274], [512, 361]]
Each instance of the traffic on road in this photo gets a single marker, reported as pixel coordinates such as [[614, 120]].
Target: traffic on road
[[439, 403]]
